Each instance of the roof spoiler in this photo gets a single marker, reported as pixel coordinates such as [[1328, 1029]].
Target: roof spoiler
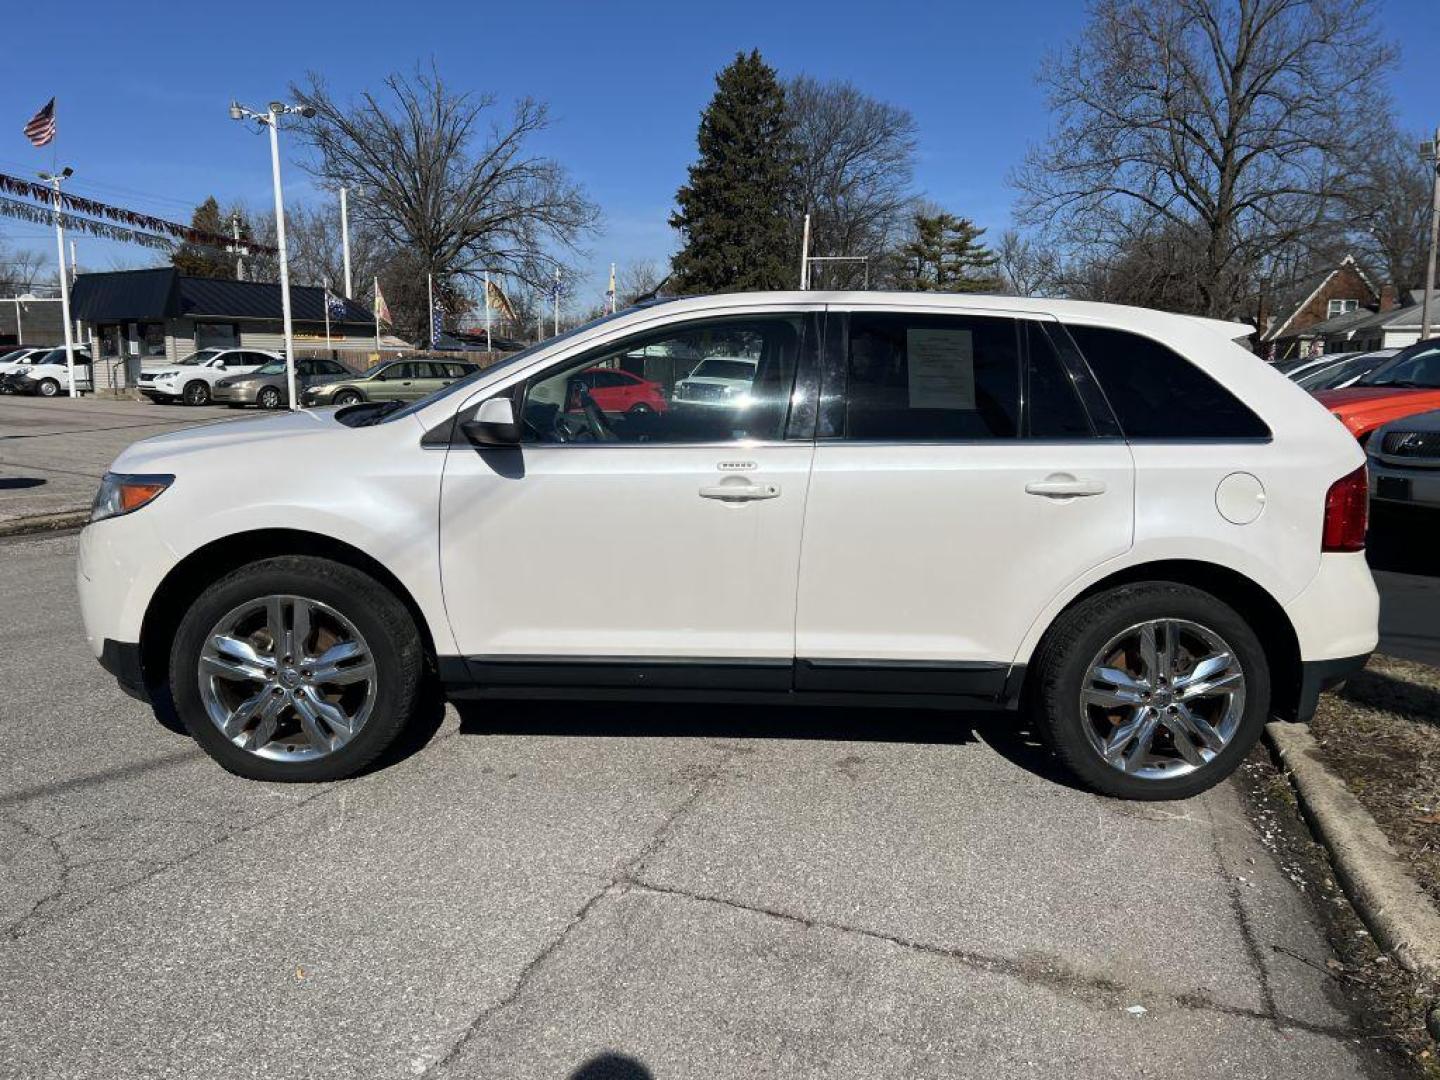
[[1229, 329]]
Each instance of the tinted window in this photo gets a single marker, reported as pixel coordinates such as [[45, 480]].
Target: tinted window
[[398, 371], [1052, 405], [1419, 365], [329, 367], [572, 403], [1158, 394], [918, 377]]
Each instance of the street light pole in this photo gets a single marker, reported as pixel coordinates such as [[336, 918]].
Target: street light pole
[[55, 181], [271, 119], [345, 240], [1432, 151]]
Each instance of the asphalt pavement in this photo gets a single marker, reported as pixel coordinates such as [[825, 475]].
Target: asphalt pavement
[[623, 891]]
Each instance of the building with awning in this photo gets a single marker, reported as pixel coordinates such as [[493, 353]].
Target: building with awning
[[144, 318]]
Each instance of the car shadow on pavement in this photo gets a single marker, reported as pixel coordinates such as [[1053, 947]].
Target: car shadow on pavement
[[1007, 733]]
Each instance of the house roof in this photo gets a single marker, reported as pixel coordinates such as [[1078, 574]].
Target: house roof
[[1348, 261], [1401, 318], [1348, 321], [130, 295]]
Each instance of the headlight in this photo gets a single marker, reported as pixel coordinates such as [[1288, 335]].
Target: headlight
[[122, 493]]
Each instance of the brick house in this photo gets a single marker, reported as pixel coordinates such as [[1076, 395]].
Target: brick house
[[1343, 291]]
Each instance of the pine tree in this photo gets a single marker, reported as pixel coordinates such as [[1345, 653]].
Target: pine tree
[[732, 214], [944, 254], [197, 261]]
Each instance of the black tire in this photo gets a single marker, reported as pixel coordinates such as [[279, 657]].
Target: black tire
[[639, 409], [197, 392], [48, 388], [347, 397], [1063, 660], [375, 611], [268, 398]]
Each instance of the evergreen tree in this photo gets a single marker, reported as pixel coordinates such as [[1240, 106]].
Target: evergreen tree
[[732, 214], [944, 254], [197, 261]]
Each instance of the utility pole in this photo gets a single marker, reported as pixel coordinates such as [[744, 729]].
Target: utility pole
[[1431, 150], [557, 300], [805, 256], [239, 251], [345, 239], [55, 180]]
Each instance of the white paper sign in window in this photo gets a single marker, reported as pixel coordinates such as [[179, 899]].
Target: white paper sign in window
[[942, 369]]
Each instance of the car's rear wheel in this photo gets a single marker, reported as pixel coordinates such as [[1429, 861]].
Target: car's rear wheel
[[48, 388], [347, 397], [197, 392], [1151, 691], [268, 398], [296, 668], [639, 409]]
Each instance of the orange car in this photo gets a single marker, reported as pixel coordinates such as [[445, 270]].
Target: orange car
[[1407, 383]]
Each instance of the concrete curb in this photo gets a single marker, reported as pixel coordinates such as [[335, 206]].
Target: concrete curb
[[1397, 911], [41, 523]]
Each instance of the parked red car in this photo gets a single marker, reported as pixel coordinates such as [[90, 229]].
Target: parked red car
[[617, 391], [1406, 384]]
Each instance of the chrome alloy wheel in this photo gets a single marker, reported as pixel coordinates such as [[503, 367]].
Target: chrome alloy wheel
[[287, 678], [1162, 699]]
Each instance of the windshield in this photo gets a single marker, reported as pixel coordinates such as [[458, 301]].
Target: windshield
[[200, 357], [275, 367], [510, 361], [1332, 375], [1417, 366], [723, 367], [57, 356], [12, 355]]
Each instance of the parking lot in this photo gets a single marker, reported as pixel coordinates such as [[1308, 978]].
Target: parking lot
[[690, 891]]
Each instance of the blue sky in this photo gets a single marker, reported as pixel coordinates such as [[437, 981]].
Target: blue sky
[[142, 99]]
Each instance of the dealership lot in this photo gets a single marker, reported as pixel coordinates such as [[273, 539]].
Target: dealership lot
[[704, 891]]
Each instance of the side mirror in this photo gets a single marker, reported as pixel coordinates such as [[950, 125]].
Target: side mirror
[[494, 424]]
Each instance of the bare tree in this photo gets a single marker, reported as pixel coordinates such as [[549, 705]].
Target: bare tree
[[23, 270], [1027, 267], [856, 165], [315, 250], [1231, 121], [1390, 206], [447, 181], [637, 280]]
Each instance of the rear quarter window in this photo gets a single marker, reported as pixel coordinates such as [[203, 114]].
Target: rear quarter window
[[1158, 394]]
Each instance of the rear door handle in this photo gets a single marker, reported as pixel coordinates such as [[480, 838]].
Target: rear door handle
[[1064, 486], [740, 492]]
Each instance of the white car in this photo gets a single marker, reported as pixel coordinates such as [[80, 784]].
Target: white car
[[47, 374], [16, 361], [716, 382], [1111, 518], [192, 380]]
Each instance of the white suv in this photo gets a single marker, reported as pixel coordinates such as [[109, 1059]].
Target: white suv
[[192, 380], [1113, 519]]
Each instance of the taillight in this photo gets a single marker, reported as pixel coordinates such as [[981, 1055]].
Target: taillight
[[1347, 511]]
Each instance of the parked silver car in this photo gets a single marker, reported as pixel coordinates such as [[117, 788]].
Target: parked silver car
[[1405, 461], [266, 387]]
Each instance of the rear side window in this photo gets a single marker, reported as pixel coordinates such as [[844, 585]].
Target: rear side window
[[1158, 394], [1052, 405], [922, 377]]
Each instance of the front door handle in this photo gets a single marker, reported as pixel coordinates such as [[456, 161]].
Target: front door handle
[[1065, 486], [740, 492]]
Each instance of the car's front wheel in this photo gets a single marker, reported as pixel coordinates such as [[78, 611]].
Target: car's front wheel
[[48, 388], [347, 397], [268, 398], [1153, 690], [296, 668], [197, 392]]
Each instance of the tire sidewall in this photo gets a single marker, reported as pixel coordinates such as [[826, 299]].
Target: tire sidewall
[[348, 397], [1100, 619], [397, 662], [49, 388], [196, 393], [269, 398]]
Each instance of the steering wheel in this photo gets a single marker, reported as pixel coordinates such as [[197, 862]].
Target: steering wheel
[[600, 428]]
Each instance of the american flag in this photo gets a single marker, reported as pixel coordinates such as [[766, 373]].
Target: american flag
[[41, 128], [437, 325]]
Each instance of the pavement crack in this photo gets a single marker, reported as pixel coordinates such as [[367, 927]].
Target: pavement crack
[[1031, 973], [703, 781], [1247, 930]]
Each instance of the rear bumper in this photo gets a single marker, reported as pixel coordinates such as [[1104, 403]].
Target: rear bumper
[[1337, 616], [1317, 676]]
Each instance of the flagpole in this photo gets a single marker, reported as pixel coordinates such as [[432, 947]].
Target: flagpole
[[325, 303], [377, 320], [55, 179], [430, 291], [488, 347], [557, 301]]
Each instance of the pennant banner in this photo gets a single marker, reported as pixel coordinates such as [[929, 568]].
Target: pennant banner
[[41, 215], [144, 222]]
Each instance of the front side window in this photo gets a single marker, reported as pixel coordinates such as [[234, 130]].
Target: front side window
[[916, 377], [719, 380], [1158, 394]]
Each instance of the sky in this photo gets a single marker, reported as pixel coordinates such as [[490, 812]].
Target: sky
[[142, 96]]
